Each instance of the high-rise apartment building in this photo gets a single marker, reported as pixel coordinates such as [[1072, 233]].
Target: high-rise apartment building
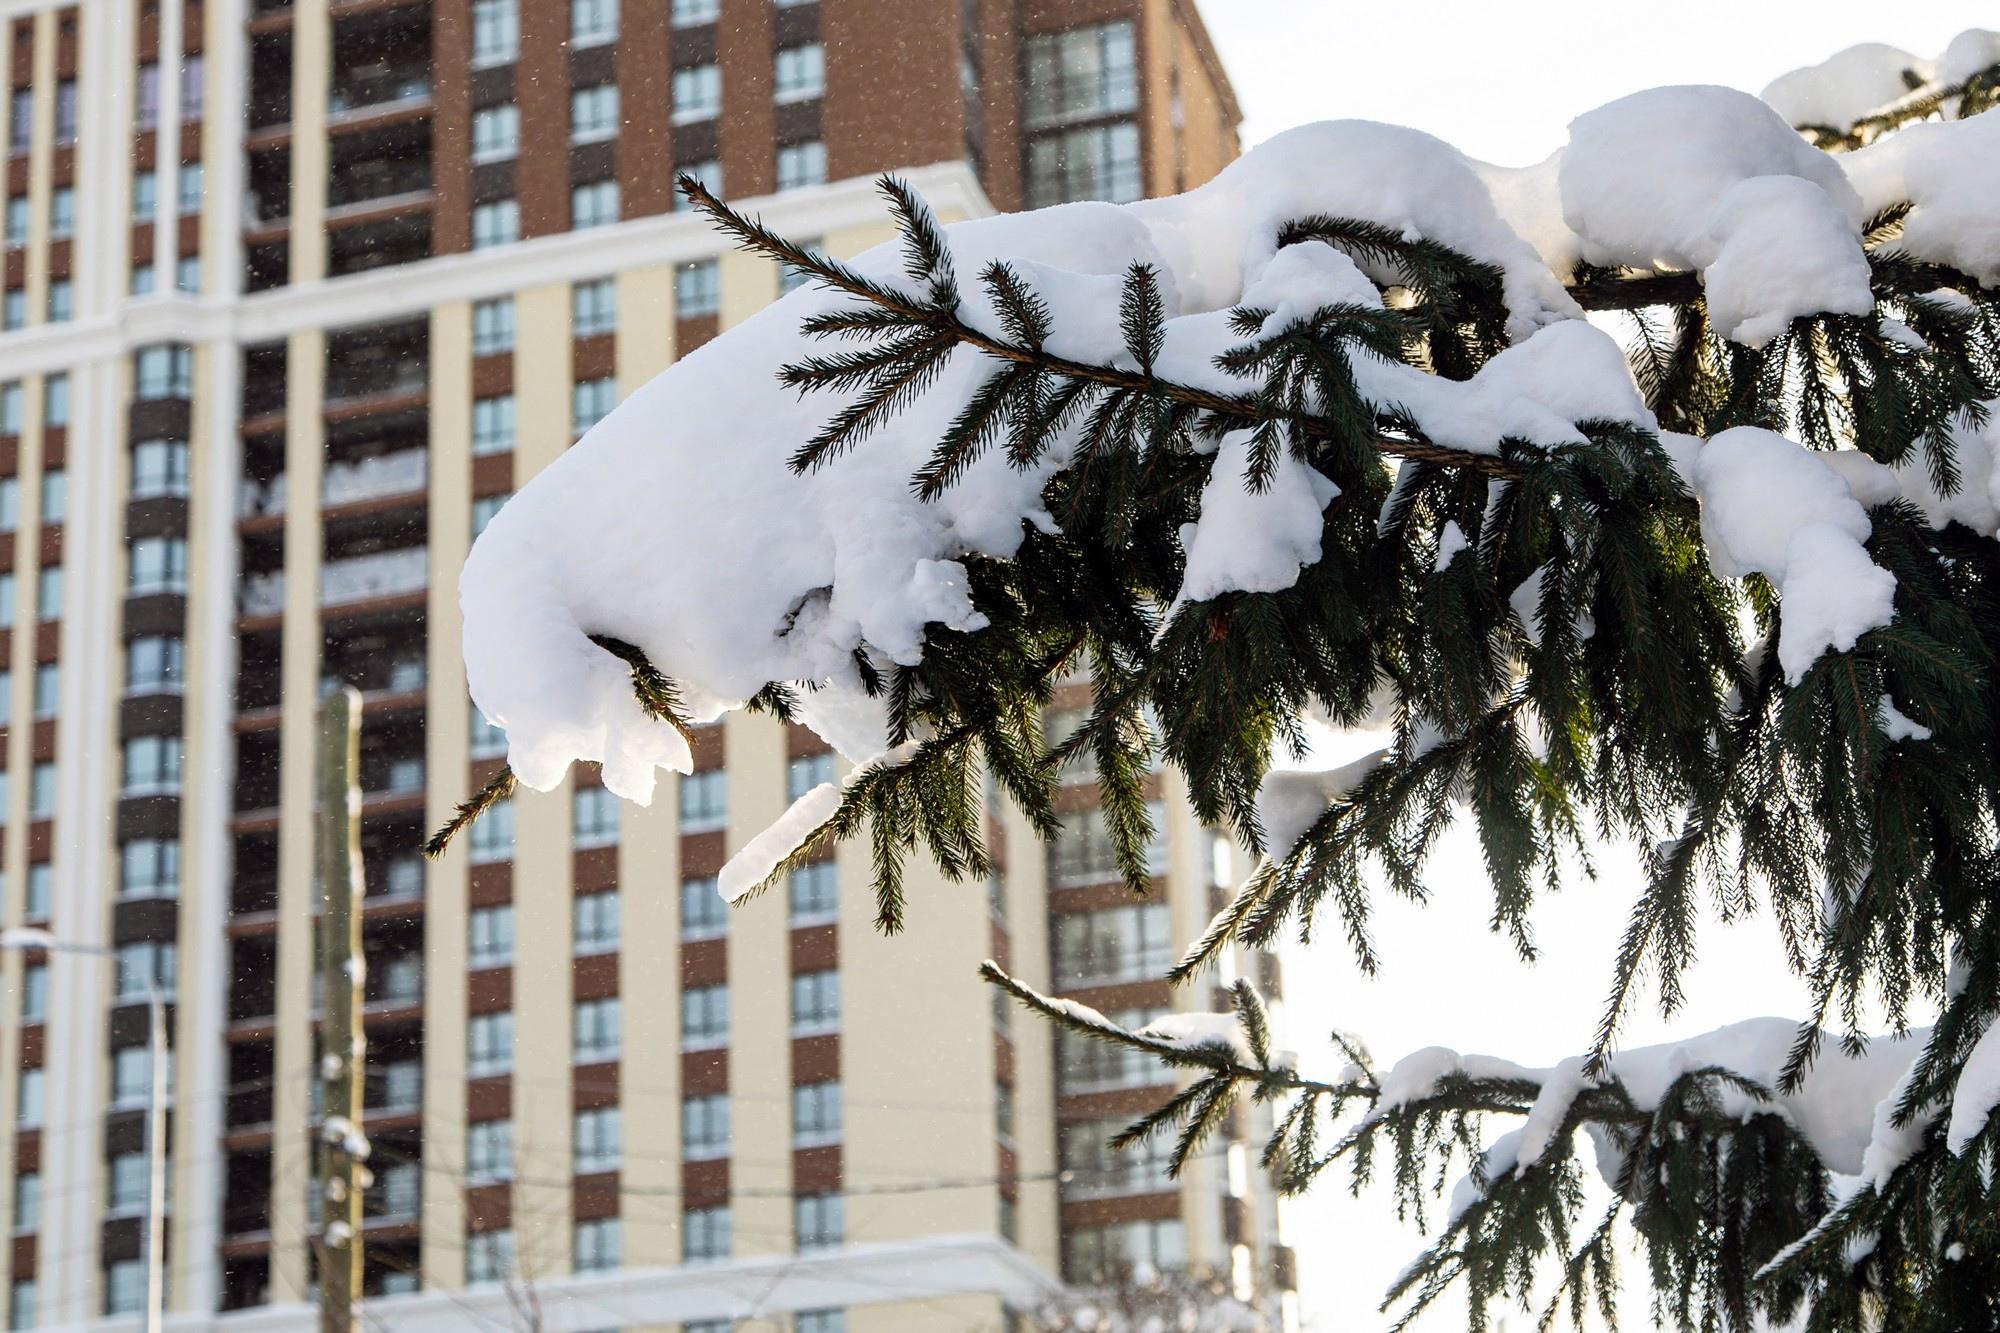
[[296, 293]]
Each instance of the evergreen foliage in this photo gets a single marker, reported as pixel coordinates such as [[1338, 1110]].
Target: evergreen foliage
[[1645, 704]]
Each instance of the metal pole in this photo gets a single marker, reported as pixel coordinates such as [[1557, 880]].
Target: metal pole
[[156, 1164], [342, 1043]]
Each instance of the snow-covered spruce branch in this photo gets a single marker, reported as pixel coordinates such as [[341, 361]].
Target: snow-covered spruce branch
[[1730, 591]]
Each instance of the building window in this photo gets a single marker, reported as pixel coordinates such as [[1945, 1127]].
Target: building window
[[496, 31], [489, 1257], [34, 993], [688, 13], [1094, 1169], [164, 370], [705, 1127], [48, 689], [489, 1151], [593, 308], [590, 401], [149, 868], [791, 277], [159, 469], [490, 936], [10, 504], [6, 599], [697, 93], [815, 1115], [704, 916], [807, 772], [704, 801], [489, 1044], [814, 892], [1105, 1254], [594, 204], [153, 665], [593, 113], [493, 424], [188, 189], [145, 198], [124, 1286], [705, 1234], [1088, 1065], [595, 922], [497, 223], [595, 815], [14, 309], [595, 1140], [159, 565], [17, 219], [66, 111], [27, 1203], [483, 510], [152, 766], [132, 1077], [11, 401], [62, 213], [55, 495], [496, 132], [1082, 74], [144, 967], [815, 1003], [55, 400], [28, 1092], [62, 301], [1083, 854], [704, 1016], [41, 878], [1113, 945], [21, 1311], [1100, 162], [594, 1027], [20, 120], [596, 1245], [187, 275], [194, 83], [48, 593], [822, 1321], [709, 173], [593, 22], [800, 73], [698, 289], [145, 278], [497, 842], [802, 164], [819, 1222], [493, 326]]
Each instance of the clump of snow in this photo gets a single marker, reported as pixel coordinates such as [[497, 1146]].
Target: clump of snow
[[1501, 1158], [1895, 725], [1976, 1093], [1451, 540], [1770, 506], [1552, 1104], [1727, 183], [1949, 172], [1846, 86], [1211, 1032], [1291, 800], [1969, 53], [1253, 540], [753, 864]]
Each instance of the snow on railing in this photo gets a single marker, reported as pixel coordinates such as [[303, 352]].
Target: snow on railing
[[261, 499], [261, 594], [384, 574], [399, 473]]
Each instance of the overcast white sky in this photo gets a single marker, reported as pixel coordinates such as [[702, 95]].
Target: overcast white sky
[[1501, 81]]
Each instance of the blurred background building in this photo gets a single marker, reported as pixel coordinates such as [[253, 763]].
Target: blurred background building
[[295, 295]]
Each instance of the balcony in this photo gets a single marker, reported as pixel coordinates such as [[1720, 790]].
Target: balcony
[[367, 578], [260, 499], [402, 473], [259, 595], [365, 92]]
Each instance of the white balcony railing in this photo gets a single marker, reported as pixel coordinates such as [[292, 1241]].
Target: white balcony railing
[[366, 577], [400, 473]]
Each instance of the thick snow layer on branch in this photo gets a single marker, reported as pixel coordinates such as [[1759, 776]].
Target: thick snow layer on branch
[[1846, 85], [1976, 1093], [1770, 506], [1291, 801], [677, 525]]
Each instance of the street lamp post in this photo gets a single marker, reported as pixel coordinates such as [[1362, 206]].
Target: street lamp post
[[29, 938]]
